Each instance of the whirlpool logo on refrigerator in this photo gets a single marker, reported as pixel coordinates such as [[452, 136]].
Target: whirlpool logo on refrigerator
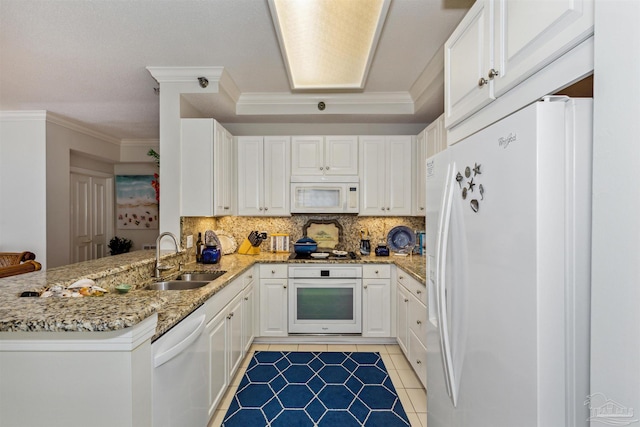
[[505, 141]]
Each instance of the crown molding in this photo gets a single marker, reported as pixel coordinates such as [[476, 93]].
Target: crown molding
[[56, 119], [271, 103], [77, 127], [152, 142], [430, 80], [23, 115]]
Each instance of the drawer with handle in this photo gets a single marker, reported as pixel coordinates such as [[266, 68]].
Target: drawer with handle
[[416, 288]]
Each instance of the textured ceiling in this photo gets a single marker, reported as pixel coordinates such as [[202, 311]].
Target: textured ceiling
[[86, 59]]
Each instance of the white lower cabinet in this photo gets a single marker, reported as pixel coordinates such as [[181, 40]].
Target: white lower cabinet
[[225, 338], [411, 322], [376, 301], [418, 357], [248, 310], [273, 300], [402, 313], [217, 376]]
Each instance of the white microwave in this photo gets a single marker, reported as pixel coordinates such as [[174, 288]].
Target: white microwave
[[340, 195]]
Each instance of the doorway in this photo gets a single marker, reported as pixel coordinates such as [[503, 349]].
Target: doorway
[[91, 215]]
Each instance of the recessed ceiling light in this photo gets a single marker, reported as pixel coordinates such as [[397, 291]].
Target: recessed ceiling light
[[328, 44]]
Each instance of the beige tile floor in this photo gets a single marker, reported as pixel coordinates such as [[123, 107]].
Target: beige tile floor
[[410, 390]]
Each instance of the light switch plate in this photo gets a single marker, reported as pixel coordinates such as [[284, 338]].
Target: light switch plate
[[189, 241]]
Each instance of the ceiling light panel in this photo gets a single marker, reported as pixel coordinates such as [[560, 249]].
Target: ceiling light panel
[[328, 44]]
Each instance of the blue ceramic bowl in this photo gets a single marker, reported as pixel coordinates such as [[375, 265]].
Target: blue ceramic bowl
[[306, 245]]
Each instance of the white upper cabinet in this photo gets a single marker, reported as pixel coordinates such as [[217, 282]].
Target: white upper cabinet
[[429, 142], [468, 55], [530, 34], [421, 174], [207, 168], [386, 175], [324, 155], [499, 43], [263, 175]]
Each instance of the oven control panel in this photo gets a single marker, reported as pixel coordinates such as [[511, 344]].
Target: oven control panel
[[325, 271]]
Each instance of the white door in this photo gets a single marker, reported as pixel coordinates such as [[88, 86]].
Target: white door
[[80, 217], [467, 59], [277, 161], [528, 36], [421, 174], [373, 166], [273, 307], [91, 216], [376, 308], [216, 331], [250, 176], [307, 155], [402, 314], [248, 316], [399, 174], [101, 207], [234, 335], [341, 155]]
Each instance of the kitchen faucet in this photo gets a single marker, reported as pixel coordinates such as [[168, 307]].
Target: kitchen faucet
[[160, 267]]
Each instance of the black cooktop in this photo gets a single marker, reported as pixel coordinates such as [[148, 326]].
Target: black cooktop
[[350, 256]]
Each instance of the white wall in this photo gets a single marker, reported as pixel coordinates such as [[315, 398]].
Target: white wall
[[615, 319], [23, 201], [61, 140]]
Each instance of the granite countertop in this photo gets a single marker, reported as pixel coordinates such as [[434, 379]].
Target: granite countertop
[[115, 311]]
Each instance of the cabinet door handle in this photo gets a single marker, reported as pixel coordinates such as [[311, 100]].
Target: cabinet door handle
[[482, 82], [418, 292], [321, 168], [421, 209], [260, 208], [365, 286], [266, 209], [273, 272], [251, 277], [418, 362], [284, 286], [406, 300], [226, 207], [493, 73], [376, 271], [327, 168], [401, 277], [388, 208], [419, 322], [246, 298]]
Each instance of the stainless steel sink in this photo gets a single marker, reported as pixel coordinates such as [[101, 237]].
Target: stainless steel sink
[[177, 285], [201, 276]]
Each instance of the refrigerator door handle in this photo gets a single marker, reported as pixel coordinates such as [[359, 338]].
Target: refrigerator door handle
[[443, 242]]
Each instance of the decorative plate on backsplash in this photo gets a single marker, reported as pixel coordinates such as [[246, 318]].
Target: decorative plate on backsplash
[[228, 244], [327, 233]]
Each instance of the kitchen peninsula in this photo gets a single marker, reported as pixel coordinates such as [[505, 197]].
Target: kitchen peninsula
[[88, 361]]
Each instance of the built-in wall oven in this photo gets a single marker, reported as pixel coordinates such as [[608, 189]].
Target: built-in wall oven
[[325, 299]]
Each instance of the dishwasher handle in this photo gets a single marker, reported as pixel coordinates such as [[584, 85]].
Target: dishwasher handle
[[165, 356]]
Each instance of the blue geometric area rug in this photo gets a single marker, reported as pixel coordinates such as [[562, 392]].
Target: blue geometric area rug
[[315, 389]]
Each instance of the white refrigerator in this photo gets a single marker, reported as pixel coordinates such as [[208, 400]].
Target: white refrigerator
[[508, 242]]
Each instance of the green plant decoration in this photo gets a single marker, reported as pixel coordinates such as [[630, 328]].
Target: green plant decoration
[[153, 153], [119, 245]]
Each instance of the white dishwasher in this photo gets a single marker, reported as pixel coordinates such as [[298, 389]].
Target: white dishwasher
[[179, 364]]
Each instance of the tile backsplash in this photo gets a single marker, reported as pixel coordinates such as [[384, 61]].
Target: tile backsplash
[[240, 227]]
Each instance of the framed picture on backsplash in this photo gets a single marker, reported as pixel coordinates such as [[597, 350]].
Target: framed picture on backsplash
[[136, 202]]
